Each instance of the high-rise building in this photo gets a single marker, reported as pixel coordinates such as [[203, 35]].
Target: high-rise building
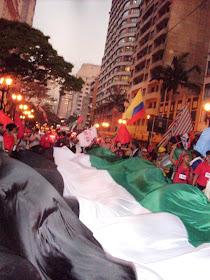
[[18, 10], [117, 59], [148, 33], [64, 108]]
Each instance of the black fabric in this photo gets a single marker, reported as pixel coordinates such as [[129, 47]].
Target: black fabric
[[13, 267], [47, 168], [39, 226]]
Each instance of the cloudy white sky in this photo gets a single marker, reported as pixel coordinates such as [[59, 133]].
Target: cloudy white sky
[[77, 28]]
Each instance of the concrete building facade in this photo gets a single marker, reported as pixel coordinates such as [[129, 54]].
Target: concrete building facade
[[64, 107], [88, 72], [204, 122], [167, 29], [117, 59], [18, 10], [163, 29]]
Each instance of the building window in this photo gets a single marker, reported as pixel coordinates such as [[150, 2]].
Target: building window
[[195, 103], [150, 105], [152, 34], [127, 4], [121, 41], [146, 77], [143, 122], [127, 68], [148, 63], [125, 78], [154, 105], [179, 105], [144, 91], [207, 90], [150, 49], [135, 11], [125, 14], [131, 39], [208, 69], [133, 20]]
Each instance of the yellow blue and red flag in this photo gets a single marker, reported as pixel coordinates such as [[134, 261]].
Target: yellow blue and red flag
[[136, 110]]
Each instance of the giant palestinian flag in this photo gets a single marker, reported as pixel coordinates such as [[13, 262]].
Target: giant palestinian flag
[[137, 216]]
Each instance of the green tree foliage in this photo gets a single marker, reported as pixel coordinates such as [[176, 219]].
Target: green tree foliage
[[176, 75], [27, 55]]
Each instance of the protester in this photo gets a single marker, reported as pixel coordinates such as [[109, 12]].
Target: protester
[[164, 163], [136, 152], [9, 138], [105, 144], [196, 159], [183, 170], [35, 141], [1, 136], [202, 173], [144, 154], [118, 150], [128, 150]]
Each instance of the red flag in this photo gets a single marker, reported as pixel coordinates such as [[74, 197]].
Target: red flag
[[43, 112], [21, 128], [191, 138], [123, 135], [79, 120], [4, 119]]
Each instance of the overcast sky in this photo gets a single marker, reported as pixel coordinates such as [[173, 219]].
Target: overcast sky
[[77, 28]]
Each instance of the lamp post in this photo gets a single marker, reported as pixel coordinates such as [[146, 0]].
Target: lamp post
[[15, 99], [4, 88], [207, 109]]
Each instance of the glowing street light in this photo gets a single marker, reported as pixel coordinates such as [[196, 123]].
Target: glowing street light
[[97, 125], [122, 121], [207, 109], [148, 117]]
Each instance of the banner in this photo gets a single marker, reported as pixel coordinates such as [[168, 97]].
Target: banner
[[86, 137]]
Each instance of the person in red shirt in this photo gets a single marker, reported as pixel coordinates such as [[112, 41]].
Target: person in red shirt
[[45, 140], [9, 138], [202, 173], [183, 170]]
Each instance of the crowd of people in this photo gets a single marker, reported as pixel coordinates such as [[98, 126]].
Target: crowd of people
[[190, 167]]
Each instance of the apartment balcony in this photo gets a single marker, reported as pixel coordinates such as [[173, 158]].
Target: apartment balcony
[[151, 95], [151, 111], [164, 16], [157, 49], [157, 63]]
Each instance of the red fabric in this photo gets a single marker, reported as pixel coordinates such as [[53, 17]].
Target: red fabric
[[9, 141], [191, 138], [181, 171], [21, 128], [45, 141], [201, 171], [137, 116], [79, 120], [123, 135], [5, 119]]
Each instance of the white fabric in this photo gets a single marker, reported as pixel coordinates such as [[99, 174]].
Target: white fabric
[[207, 190], [86, 137], [156, 243]]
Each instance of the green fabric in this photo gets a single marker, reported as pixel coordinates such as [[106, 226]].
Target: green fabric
[[147, 184]]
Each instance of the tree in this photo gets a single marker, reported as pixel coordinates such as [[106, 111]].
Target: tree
[[117, 99], [176, 75], [27, 55]]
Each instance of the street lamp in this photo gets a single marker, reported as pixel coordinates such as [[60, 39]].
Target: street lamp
[[97, 125], [122, 121], [207, 109], [4, 88]]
